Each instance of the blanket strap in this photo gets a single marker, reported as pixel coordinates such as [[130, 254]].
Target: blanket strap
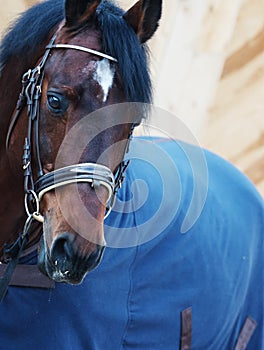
[[246, 334], [186, 329], [28, 276]]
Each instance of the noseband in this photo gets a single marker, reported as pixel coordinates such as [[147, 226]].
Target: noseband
[[95, 174]]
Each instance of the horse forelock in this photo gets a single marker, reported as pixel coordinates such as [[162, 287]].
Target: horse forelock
[[32, 29], [120, 41]]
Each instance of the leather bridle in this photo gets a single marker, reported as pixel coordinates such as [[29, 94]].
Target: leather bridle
[[95, 174]]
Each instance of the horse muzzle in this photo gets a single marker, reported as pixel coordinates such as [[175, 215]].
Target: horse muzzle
[[63, 263]]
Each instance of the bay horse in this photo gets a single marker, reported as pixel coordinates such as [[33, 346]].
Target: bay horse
[[74, 77], [114, 275]]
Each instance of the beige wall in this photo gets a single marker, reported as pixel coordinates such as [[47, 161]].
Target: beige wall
[[208, 68], [235, 127], [208, 65], [9, 10]]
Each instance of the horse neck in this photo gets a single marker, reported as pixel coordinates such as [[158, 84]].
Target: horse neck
[[10, 84]]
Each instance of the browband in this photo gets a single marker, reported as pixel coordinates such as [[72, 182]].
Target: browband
[[81, 48]]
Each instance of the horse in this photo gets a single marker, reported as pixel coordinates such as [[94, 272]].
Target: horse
[[146, 243]]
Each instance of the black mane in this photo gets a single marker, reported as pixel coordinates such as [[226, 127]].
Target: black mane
[[119, 40]]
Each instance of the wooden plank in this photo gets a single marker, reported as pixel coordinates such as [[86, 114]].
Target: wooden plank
[[249, 22], [236, 120], [245, 54]]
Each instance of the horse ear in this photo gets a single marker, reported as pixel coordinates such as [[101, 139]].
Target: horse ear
[[144, 18], [77, 11]]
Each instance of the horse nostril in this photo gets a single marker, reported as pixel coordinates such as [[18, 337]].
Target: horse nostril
[[66, 263], [62, 247], [62, 250]]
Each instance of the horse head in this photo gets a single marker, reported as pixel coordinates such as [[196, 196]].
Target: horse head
[[95, 60]]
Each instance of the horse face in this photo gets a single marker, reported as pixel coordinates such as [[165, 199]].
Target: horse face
[[75, 85]]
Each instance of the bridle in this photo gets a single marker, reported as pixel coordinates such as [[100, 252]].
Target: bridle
[[95, 174]]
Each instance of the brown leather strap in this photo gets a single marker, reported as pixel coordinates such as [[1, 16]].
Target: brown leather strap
[[28, 276], [246, 334], [186, 329]]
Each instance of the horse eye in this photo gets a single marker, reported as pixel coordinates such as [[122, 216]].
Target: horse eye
[[54, 102], [57, 103]]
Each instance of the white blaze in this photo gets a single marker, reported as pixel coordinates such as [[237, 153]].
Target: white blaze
[[104, 75]]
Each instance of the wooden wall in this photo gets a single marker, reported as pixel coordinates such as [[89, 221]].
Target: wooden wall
[[208, 70], [235, 127], [8, 11]]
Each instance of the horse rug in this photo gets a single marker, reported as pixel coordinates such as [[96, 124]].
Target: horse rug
[[183, 267]]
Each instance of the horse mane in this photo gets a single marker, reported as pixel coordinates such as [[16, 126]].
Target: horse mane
[[33, 27]]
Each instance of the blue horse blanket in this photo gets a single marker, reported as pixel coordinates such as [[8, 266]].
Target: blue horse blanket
[[184, 266]]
